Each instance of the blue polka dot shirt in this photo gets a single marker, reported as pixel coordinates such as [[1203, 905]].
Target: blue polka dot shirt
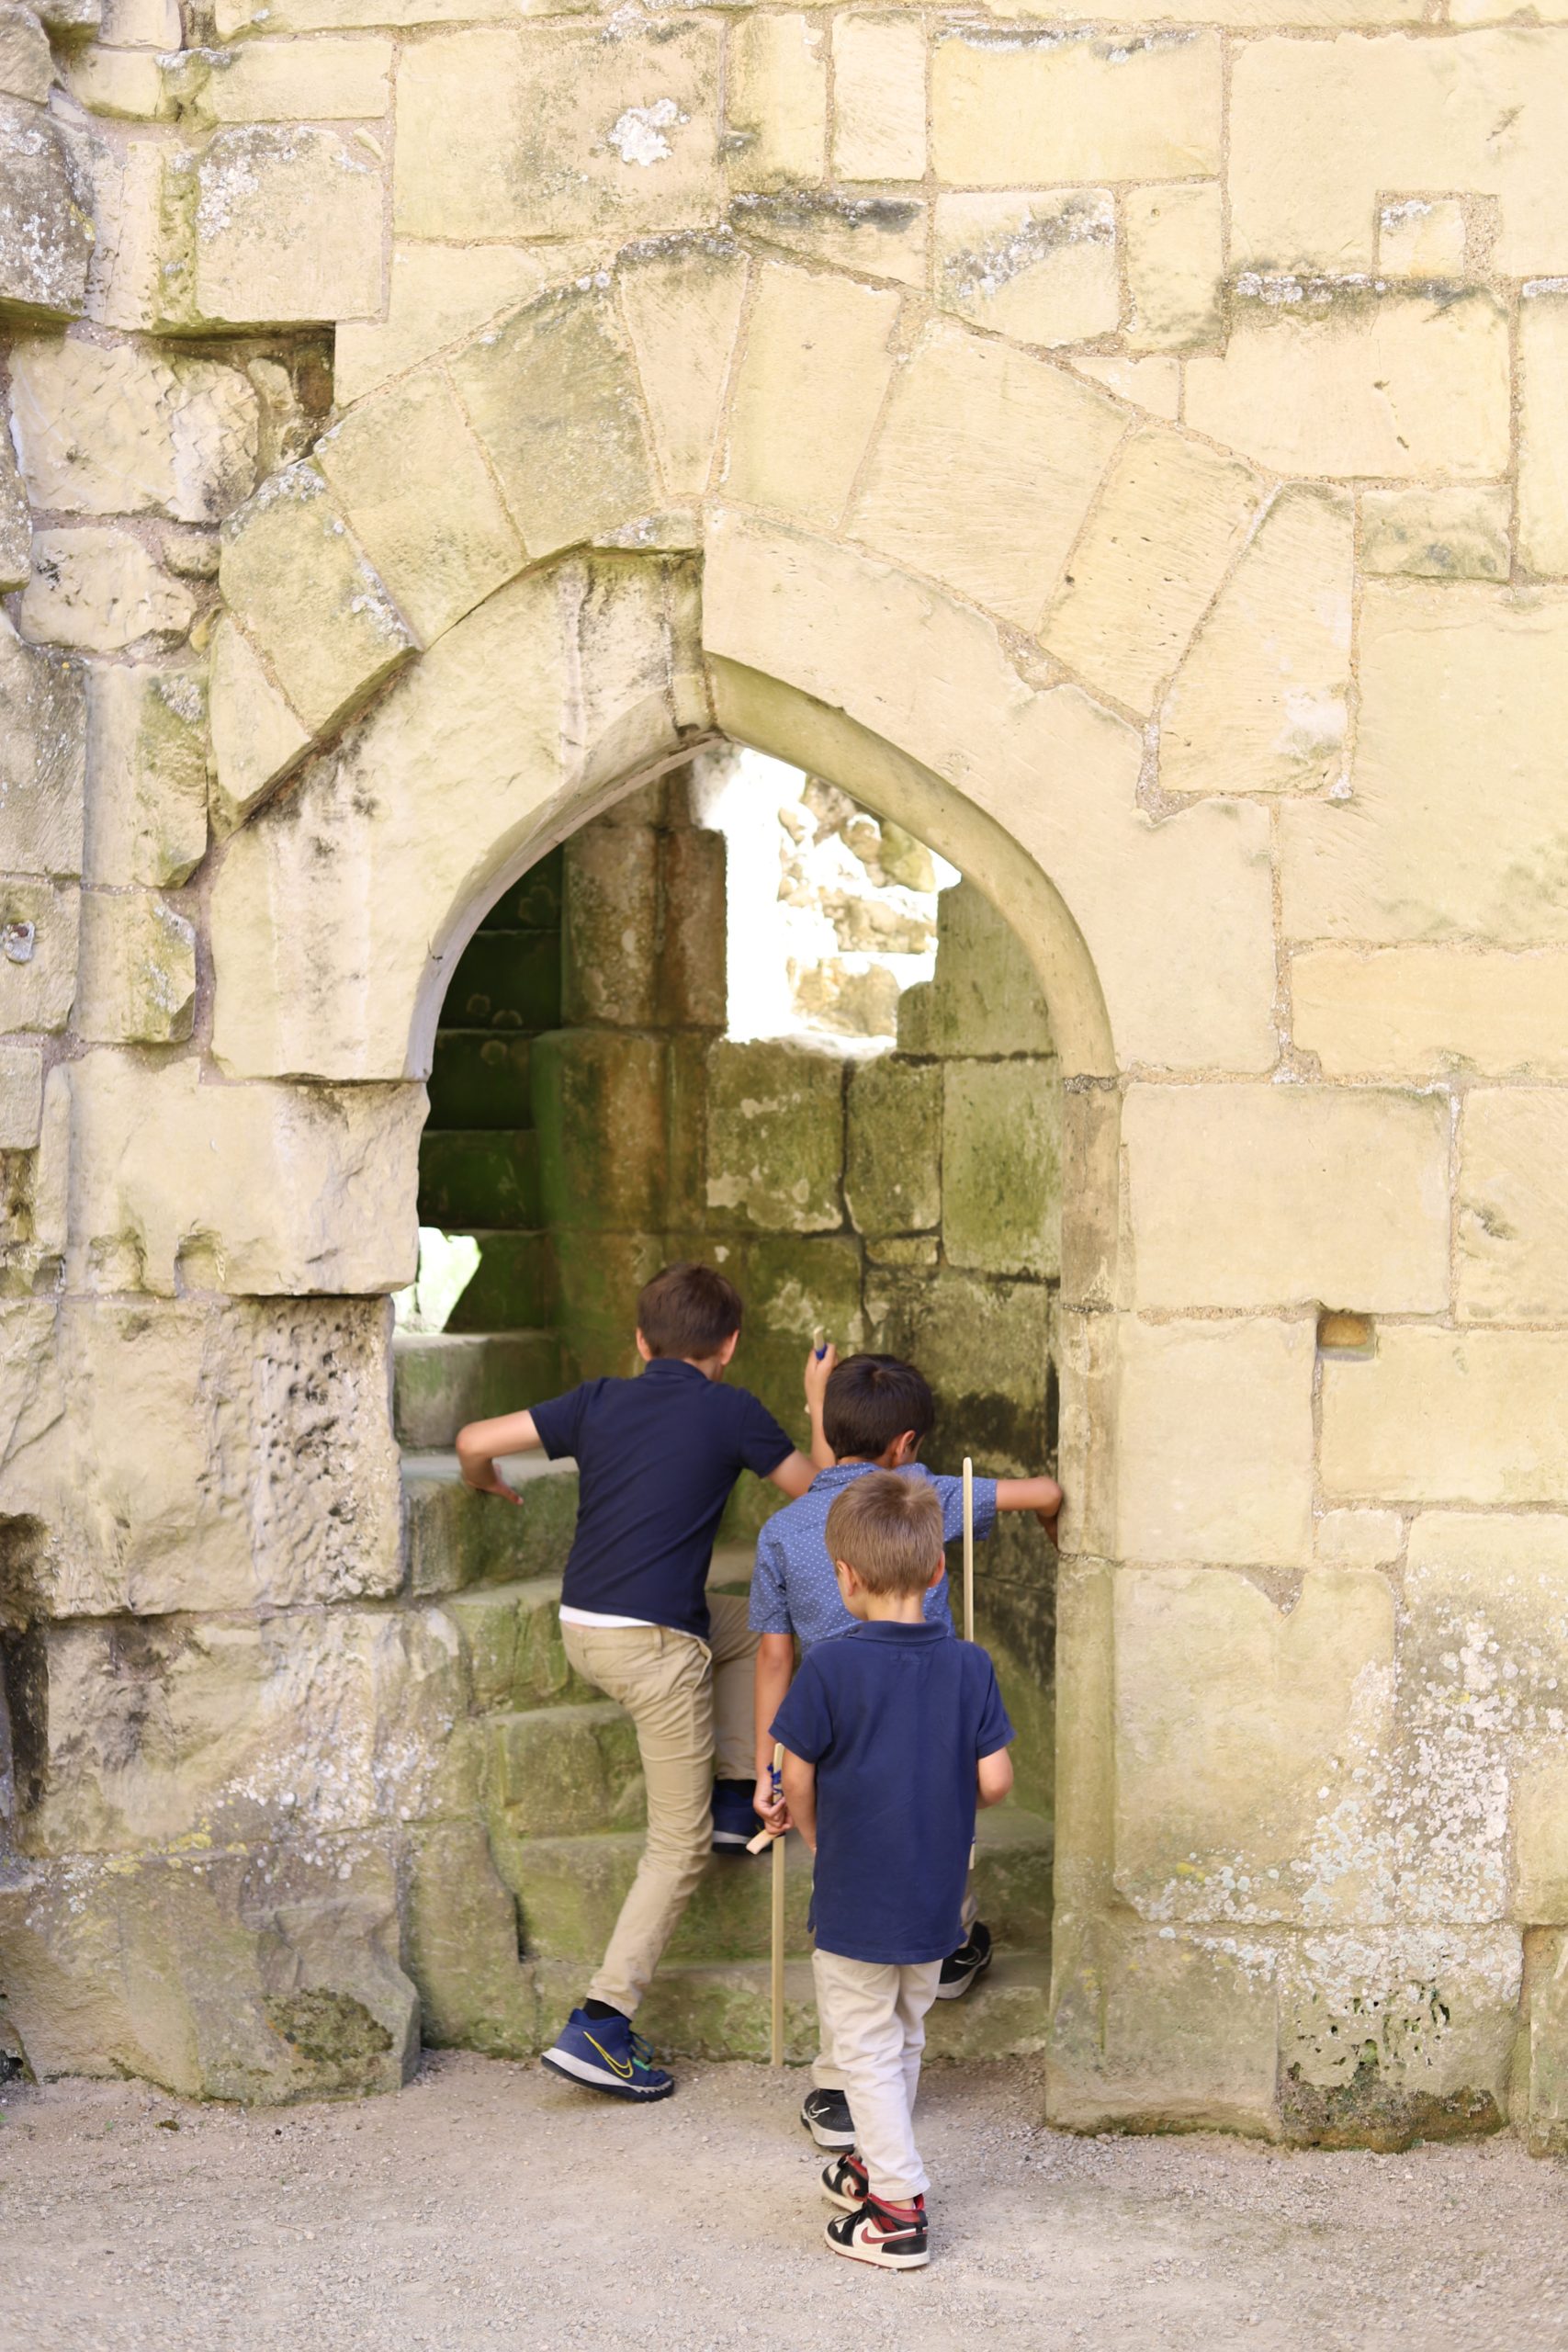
[[794, 1589]]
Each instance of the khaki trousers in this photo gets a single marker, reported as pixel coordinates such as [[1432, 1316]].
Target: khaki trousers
[[873, 2015], [688, 1699]]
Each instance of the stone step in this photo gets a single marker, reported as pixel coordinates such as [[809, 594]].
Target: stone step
[[472, 1176], [567, 1771], [479, 1078], [568, 1890], [441, 1379], [457, 1538], [697, 2010]]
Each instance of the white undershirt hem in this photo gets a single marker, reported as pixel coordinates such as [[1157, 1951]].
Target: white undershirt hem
[[594, 1617]]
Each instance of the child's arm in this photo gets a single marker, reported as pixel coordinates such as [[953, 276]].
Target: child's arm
[[1042, 1496], [994, 1776], [479, 1442], [775, 1666], [818, 1368], [800, 1795]]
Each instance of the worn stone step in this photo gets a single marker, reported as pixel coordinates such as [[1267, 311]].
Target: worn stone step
[[441, 1379], [697, 2011], [570, 1889], [732, 1566], [479, 1078], [456, 1538], [486, 1176], [512, 1288], [511, 1635], [567, 1771]]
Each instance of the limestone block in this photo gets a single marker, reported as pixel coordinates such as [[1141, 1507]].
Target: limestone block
[[1215, 1441], [1398, 384], [141, 24], [692, 976], [1455, 682], [893, 1159], [1422, 1012], [286, 81], [1457, 534], [1154, 384], [610, 926], [100, 591], [791, 1285], [1543, 449], [1175, 264], [683, 311], [285, 226], [876, 235], [484, 120], [138, 969], [1040, 268], [998, 527], [294, 578], [147, 757], [1288, 1197], [250, 1189], [1232, 1716], [1172, 516], [436, 295], [409, 479], [811, 380], [27, 68], [1440, 1416], [38, 955], [1001, 1166], [777, 101], [1013, 109], [266, 1977], [45, 233], [1360, 1539], [1421, 237], [128, 85], [256, 737], [1513, 1244], [1539, 1888], [775, 1148], [117, 431], [209, 1454], [552, 393], [879, 99], [461, 1948], [984, 997], [985, 1347], [599, 1109], [233, 16], [21, 1096], [15, 523], [42, 758], [1260, 703]]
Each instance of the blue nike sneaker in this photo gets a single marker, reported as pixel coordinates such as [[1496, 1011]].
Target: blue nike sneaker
[[607, 2055], [734, 1818]]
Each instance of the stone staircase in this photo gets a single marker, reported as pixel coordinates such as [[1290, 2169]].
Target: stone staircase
[[558, 1785]]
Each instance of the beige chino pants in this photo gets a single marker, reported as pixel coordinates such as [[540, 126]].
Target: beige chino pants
[[873, 2015], [688, 1700]]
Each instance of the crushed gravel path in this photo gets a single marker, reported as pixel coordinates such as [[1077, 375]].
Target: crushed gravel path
[[490, 2206]]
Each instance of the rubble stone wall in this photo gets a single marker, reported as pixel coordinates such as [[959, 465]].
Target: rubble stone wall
[[1131, 456]]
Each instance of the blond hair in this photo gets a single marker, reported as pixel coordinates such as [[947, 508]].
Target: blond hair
[[888, 1529]]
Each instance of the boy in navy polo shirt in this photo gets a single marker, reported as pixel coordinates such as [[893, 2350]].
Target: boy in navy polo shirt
[[876, 1413], [657, 1457], [892, 1735]]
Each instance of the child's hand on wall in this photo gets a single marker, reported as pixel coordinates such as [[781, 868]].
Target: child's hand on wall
[[818, 1368]]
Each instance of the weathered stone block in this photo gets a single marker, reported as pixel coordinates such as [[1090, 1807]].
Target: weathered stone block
[[776, 1136], [810, 385], [611, 925], [1360, 1539], [294, 577], [1513, 1240], [683, 310], [1440, 1416], [1013, 109], [27, 68], [1459, 533], [985, 1346], [147, 757], [458, 1537], [693, 983], [1214, 1445], [893, 1157], [21, 1096], [479, 1080], [1157, 546], [460, 1946], [1260, 703], [100, 591], [985, 996], [38, 955], [42, 758], [999, 530], [442, 1379], [512, 1287], [120, 431], [436, 295], [15, 523], [125, 84], [281, 225], [1420, 1011], [552, 394], [1153, 384], [1001, 1166], [1175, 264], [138, 969], [46, 235], [869, 235], [1422, 237], [599, 1110], [567, 1771], [1287, 1196], [1040, 268], [256, 737], [879, 98], [411, 483], [286, 81], [1543, 455], [483, 1178], [776, 102]]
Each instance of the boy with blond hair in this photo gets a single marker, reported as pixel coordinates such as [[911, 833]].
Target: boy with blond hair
[[892, 1735]]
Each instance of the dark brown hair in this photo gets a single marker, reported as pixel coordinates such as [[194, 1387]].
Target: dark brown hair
[[872, 1400], [887, 1528], [688, 1310]]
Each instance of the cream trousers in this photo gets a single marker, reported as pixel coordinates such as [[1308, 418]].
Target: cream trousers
[[687, 1699], [873, 2015]]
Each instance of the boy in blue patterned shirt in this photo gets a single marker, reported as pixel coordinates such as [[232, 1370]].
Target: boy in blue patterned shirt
[[875, 1413]]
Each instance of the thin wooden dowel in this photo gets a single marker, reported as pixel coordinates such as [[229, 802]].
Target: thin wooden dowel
[[777, 2043], [968, 1549]]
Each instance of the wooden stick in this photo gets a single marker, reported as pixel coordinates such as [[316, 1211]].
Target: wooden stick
[[776, 2050], [968, 1549]]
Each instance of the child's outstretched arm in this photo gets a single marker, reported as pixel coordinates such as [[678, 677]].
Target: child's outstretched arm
[[797, 1471], [481, 1442], [774, 1670], [1042, 1496], [800, 1795]]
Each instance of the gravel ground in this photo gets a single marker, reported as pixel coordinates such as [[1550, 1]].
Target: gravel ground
[[492, 2205]]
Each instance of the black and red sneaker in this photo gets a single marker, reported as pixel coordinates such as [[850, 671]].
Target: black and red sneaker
[[846, 2183], [893, 2240]]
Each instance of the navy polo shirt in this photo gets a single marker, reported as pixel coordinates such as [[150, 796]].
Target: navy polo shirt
[[895, 1719], [656, 1457]]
